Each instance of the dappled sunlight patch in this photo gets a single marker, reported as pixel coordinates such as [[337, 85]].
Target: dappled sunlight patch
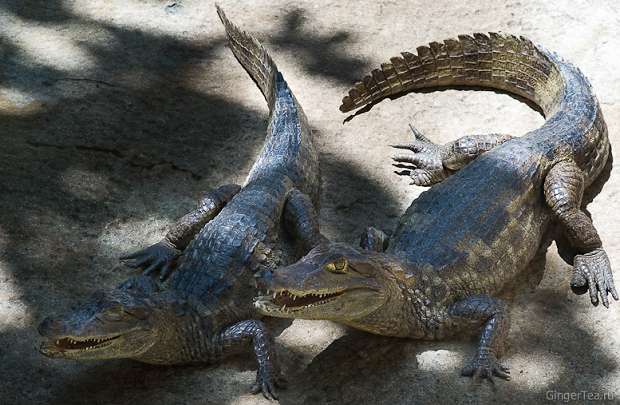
[[310, 337], [439, 360], [124, 237], [15, 101], [535, 370], [13, 311], [157, 17], [85, 184], [47, 45]]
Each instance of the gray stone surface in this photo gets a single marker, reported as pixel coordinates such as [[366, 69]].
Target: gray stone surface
[[115, 115]]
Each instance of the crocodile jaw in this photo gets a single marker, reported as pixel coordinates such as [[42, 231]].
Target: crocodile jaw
[[332, 304], [289, 302], [78, 347]]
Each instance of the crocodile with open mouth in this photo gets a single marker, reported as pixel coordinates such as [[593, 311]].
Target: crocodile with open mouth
[[205, 310], [496, 203]]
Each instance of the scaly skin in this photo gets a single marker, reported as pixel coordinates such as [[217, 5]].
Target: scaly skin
[[474, 233], [205, 311]]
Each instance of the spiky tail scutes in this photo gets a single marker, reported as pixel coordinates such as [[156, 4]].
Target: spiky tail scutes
[[496, 61], [253, 57]]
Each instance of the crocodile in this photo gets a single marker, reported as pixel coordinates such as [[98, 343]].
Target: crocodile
[[495, 203], [209, 259]]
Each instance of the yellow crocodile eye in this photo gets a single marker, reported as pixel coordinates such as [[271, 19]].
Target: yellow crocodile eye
[[337, 266]]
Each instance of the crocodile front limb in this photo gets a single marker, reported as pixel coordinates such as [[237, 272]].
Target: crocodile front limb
[[493, 313], [161, 255], [564, 186]]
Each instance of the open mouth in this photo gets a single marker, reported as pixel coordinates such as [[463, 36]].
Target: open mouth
[[288, 301], [80, 344]]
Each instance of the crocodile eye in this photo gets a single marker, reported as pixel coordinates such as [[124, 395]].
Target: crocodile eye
[[137, 312], [114, 313], [338, 266]]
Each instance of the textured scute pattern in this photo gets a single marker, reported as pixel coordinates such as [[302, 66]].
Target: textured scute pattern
[[253, 57], [216, 266], [220, 252], [477, 231], [471, 208], [495, 60], [574, 129]]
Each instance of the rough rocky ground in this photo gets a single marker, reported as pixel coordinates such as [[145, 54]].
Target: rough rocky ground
[[115, 115]]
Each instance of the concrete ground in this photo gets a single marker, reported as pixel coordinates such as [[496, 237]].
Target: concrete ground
[[115, 115]]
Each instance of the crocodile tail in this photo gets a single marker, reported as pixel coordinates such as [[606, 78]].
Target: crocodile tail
[[253, 57], [496, 61]]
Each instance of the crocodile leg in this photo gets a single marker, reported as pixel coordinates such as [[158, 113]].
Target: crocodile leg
[[431, 163], [491, 311], [161, 255], [301, 221], [374, 240], [254, 332], [564, 186]]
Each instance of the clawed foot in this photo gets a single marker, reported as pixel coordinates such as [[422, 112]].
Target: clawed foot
[[159, 256], [267, 384], [374, 240], [424, 166], [485, 365], [593, 272]]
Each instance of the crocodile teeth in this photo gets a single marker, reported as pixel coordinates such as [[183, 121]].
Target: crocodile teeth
[[283, 307], [274, 295]]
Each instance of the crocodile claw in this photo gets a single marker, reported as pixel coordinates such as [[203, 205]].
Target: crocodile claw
[[267, 384], [159, 256], [486, 366], [593, 271], [424, 166]]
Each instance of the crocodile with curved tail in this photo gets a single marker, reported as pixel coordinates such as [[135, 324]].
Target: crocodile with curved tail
[[496, 203], [205, 311]]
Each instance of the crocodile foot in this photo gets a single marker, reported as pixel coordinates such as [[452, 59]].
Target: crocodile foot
[[424, 166], [593, 272], [485, 365], [159, 256], [267, 382]]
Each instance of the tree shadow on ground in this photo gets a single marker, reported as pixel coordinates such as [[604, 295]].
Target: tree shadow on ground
[[135, 137], [321, 55], [133, 140]]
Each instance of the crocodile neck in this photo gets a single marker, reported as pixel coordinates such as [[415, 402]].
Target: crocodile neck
[[183, 334]]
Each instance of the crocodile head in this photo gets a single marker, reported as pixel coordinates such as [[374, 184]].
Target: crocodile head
[[333, 282], [112, 324]]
